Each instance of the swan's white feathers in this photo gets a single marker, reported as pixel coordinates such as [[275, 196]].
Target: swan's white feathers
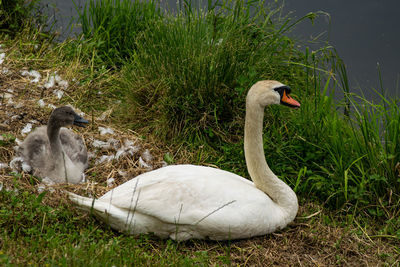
[[191, 197]]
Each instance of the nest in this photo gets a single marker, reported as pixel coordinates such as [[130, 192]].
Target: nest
[[115, 156]]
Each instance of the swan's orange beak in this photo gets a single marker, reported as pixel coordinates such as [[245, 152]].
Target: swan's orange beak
[[288, 101]]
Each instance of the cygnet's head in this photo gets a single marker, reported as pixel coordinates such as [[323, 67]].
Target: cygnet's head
[[270, 92], [66, 116]]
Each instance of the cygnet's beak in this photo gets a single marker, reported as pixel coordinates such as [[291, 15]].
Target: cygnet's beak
[[79, 121], [288, 101]]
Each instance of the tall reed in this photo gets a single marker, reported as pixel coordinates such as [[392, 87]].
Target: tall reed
[[352, 157], [110, 27], [191, 71]]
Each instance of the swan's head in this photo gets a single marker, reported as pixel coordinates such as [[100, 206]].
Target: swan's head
[[66, 116], [271, 92]]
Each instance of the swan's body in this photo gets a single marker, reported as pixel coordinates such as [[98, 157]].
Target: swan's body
[[187, 201], [56, 152]]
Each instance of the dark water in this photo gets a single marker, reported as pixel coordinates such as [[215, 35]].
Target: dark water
[[364, 32]]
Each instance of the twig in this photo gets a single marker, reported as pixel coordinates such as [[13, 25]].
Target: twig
[[311, 215], [214, 211], [359, 226], [134, 208]]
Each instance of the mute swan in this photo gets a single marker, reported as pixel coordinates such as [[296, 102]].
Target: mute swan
[[56, 152], [187, 201]]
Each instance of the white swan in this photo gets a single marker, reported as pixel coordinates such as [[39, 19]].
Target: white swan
[[56, 152], [187, 201]]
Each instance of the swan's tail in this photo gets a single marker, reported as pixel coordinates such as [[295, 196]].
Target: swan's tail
[[117, 218], [85, 203], [98, 207]]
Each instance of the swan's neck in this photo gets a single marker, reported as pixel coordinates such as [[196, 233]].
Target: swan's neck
[[57, 153], [54, 137], [262, 176]]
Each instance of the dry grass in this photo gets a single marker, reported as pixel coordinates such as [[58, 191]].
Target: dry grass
[[308, 241]]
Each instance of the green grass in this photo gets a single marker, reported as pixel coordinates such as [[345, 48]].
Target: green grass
[[111, 27], [181, 79]]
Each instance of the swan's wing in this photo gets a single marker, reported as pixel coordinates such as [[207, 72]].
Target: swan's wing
[[35, 148], [187, 194], [74, 146]]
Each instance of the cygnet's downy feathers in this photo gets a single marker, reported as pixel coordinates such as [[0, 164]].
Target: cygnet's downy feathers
[[56, 152]]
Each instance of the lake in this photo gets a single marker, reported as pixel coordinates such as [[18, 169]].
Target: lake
[[364, 32]]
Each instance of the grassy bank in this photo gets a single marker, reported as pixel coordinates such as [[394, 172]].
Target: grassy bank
[[179, 81]]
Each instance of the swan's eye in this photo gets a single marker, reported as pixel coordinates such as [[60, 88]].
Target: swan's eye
[[282, 89]]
